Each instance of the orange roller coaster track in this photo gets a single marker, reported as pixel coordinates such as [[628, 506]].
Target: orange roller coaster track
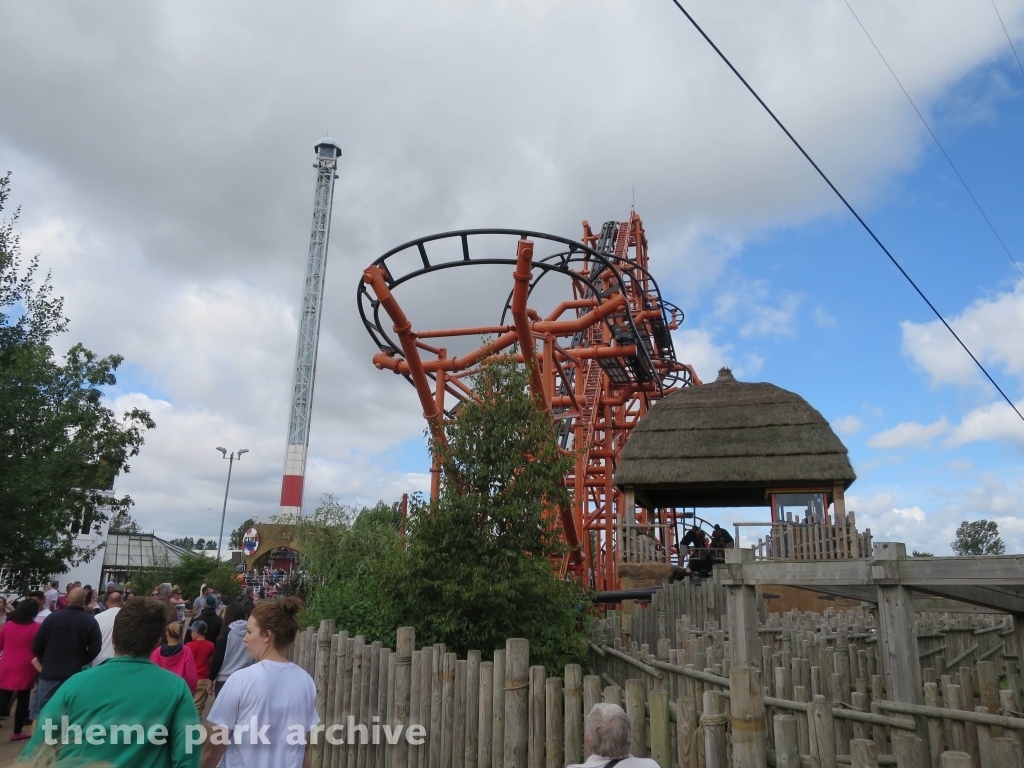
[[602, 357]]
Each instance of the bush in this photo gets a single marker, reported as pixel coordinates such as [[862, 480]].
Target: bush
[[353, 565]]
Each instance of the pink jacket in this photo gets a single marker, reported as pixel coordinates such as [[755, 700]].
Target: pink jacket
[[16, 670], [179, 660]]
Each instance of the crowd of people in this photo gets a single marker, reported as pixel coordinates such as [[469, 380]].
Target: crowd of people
[[75, 661]]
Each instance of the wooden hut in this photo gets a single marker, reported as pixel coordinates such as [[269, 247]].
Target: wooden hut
[[735, 444]]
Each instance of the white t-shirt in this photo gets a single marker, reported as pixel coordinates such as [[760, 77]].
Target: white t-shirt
[[43, 613], [106, 622], [596, 761], [276, 694]]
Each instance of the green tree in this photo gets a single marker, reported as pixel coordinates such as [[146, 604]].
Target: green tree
[[185, 542], [60, 447], [190, 574], [480, 558], [980, 537], [123, 522], [921, 554], [235, 540], [355, 567]]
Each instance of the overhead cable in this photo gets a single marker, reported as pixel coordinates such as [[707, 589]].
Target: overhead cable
[[1006, 32], [846, 202], [934, 138]]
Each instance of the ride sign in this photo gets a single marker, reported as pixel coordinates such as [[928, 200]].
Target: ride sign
[[250, 542]]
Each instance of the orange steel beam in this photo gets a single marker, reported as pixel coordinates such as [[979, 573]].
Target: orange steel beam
[[374, 277], [522, 276]]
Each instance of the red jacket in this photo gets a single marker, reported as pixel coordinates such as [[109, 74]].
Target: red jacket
[[16, 670], [177, 659]]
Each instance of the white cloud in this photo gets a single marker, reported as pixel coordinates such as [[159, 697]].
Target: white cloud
[[696, 346], [823, 319], [909, 434], [996, 421], [772, 319], [848, 425], [993, 328]]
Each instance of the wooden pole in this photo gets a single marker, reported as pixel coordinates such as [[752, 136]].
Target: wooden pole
[[353, 702], [331, 716], [459, 714], [741, 610], [715, 754], [908, 749], [822, 734], [749, 742], [787, 742], [436, 695], [384, 681], [341, 694], [415, 704], [537, 717], [1007, 752], [591, 696], [661, 734], [554, 731], [863, 753], [573, 714], [517, 708], [386, 752], [472, 707], [954, 759], [485, 719], [405, 644], [637, 717], [426, 699], [687, 745], [321, 664], [498, 710], [447, 708]]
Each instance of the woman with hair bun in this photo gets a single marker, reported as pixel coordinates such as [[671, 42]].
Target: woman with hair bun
[[273, 692]]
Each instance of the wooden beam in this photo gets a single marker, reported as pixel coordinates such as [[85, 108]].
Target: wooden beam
[[897, 639], [741, 610], [979, 570]]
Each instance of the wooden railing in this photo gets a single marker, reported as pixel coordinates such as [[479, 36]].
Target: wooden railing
[[828, 539], [818, 699], [638, 543]]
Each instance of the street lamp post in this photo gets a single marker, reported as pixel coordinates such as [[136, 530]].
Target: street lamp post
[[224, 512]]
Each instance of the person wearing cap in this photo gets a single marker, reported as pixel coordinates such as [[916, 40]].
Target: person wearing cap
[[210, 617], [202, 652]]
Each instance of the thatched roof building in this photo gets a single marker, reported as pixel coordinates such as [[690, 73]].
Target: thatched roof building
[[731, 444]]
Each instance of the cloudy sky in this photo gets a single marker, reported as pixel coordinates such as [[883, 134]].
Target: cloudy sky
[[162, 156]]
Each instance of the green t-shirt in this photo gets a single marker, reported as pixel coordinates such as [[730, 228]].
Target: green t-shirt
[[110, 702]]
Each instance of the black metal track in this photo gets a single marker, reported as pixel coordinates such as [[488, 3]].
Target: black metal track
[[560, 263]]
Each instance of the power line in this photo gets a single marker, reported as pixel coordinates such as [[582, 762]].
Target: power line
[[845, 202], [934, 137], [1005, 32]]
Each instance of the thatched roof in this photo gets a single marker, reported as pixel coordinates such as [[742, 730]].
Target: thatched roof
[[726, 443]]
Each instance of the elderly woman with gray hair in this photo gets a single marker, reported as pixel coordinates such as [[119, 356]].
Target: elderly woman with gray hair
[[607, 736]]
